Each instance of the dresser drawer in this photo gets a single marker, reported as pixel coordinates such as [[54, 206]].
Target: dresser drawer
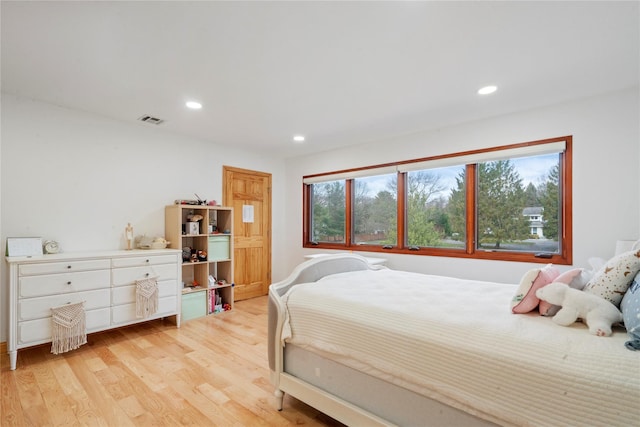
[[127, 276], [127, 294], [51, 284], [126, 313], [36, 308], [141, 261], [37, 331], [63, 267]]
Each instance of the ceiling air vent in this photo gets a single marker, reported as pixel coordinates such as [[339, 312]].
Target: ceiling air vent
[[151, 119]]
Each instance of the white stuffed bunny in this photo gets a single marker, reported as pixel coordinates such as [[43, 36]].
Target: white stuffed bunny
[[598, 313]]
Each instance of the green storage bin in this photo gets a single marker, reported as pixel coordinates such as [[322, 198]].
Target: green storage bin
[[194, 305], [218, 247]]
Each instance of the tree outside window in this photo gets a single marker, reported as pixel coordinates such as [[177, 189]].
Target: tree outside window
[[429, 196], [328, 212], [375, 210]]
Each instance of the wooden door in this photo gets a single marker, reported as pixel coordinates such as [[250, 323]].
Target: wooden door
[[249, 191]]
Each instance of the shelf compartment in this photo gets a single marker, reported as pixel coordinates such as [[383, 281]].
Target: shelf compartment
[[225, 294]]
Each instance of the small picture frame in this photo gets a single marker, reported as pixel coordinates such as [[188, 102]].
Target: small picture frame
[[24, 246]]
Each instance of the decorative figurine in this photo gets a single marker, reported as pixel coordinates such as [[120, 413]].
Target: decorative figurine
[[128, 233]]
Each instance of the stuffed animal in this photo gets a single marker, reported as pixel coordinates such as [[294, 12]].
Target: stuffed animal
[[598, 313]]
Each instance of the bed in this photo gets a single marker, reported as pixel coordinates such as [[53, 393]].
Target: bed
[[369, 345]]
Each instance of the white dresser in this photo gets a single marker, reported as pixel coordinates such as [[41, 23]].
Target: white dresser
[[105, 281]]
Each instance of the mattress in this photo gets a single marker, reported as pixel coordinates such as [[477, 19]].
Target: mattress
[[456, 341], [395, 404]]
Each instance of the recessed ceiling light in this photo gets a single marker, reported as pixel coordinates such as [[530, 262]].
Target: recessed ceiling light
[[194, 105], [487, 90], [298, 138]]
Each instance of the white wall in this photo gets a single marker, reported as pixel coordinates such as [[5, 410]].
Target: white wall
[[606, 177], [79, 178]]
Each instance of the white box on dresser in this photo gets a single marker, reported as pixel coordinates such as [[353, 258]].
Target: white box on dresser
[[105, 281]]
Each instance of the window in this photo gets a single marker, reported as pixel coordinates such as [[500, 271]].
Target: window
[[375, 210], [509, 203], [510, 194], [436, 206], [328, 212]]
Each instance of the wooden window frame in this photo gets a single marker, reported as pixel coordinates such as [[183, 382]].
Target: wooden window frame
[[564, 257]]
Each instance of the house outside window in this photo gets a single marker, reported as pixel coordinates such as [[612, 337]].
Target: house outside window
[[536, 222]]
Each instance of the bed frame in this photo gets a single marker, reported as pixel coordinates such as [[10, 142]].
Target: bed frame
[[347, 395]]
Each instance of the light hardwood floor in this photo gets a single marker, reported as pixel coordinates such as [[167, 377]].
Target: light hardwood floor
[[210, 371]]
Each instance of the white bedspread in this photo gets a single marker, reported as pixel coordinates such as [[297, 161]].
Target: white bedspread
[[458, 342]]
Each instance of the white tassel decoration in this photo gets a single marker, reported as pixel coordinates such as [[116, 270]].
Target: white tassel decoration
[[146, 297], [69, 329]]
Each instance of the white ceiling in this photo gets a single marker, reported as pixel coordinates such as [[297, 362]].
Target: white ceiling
[[341, 73]]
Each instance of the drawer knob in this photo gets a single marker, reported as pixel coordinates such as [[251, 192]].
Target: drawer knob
[[68, 266], [68, 283], [146, 275]]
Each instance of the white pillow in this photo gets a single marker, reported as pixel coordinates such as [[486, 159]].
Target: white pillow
[[613, 279]]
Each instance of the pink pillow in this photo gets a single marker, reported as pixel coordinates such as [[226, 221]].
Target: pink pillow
[[525, 299], [571, 278]]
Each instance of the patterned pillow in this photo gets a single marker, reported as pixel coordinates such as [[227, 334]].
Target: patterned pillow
[[573, 278], [525, 299], [613, 279], [630, 307]]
